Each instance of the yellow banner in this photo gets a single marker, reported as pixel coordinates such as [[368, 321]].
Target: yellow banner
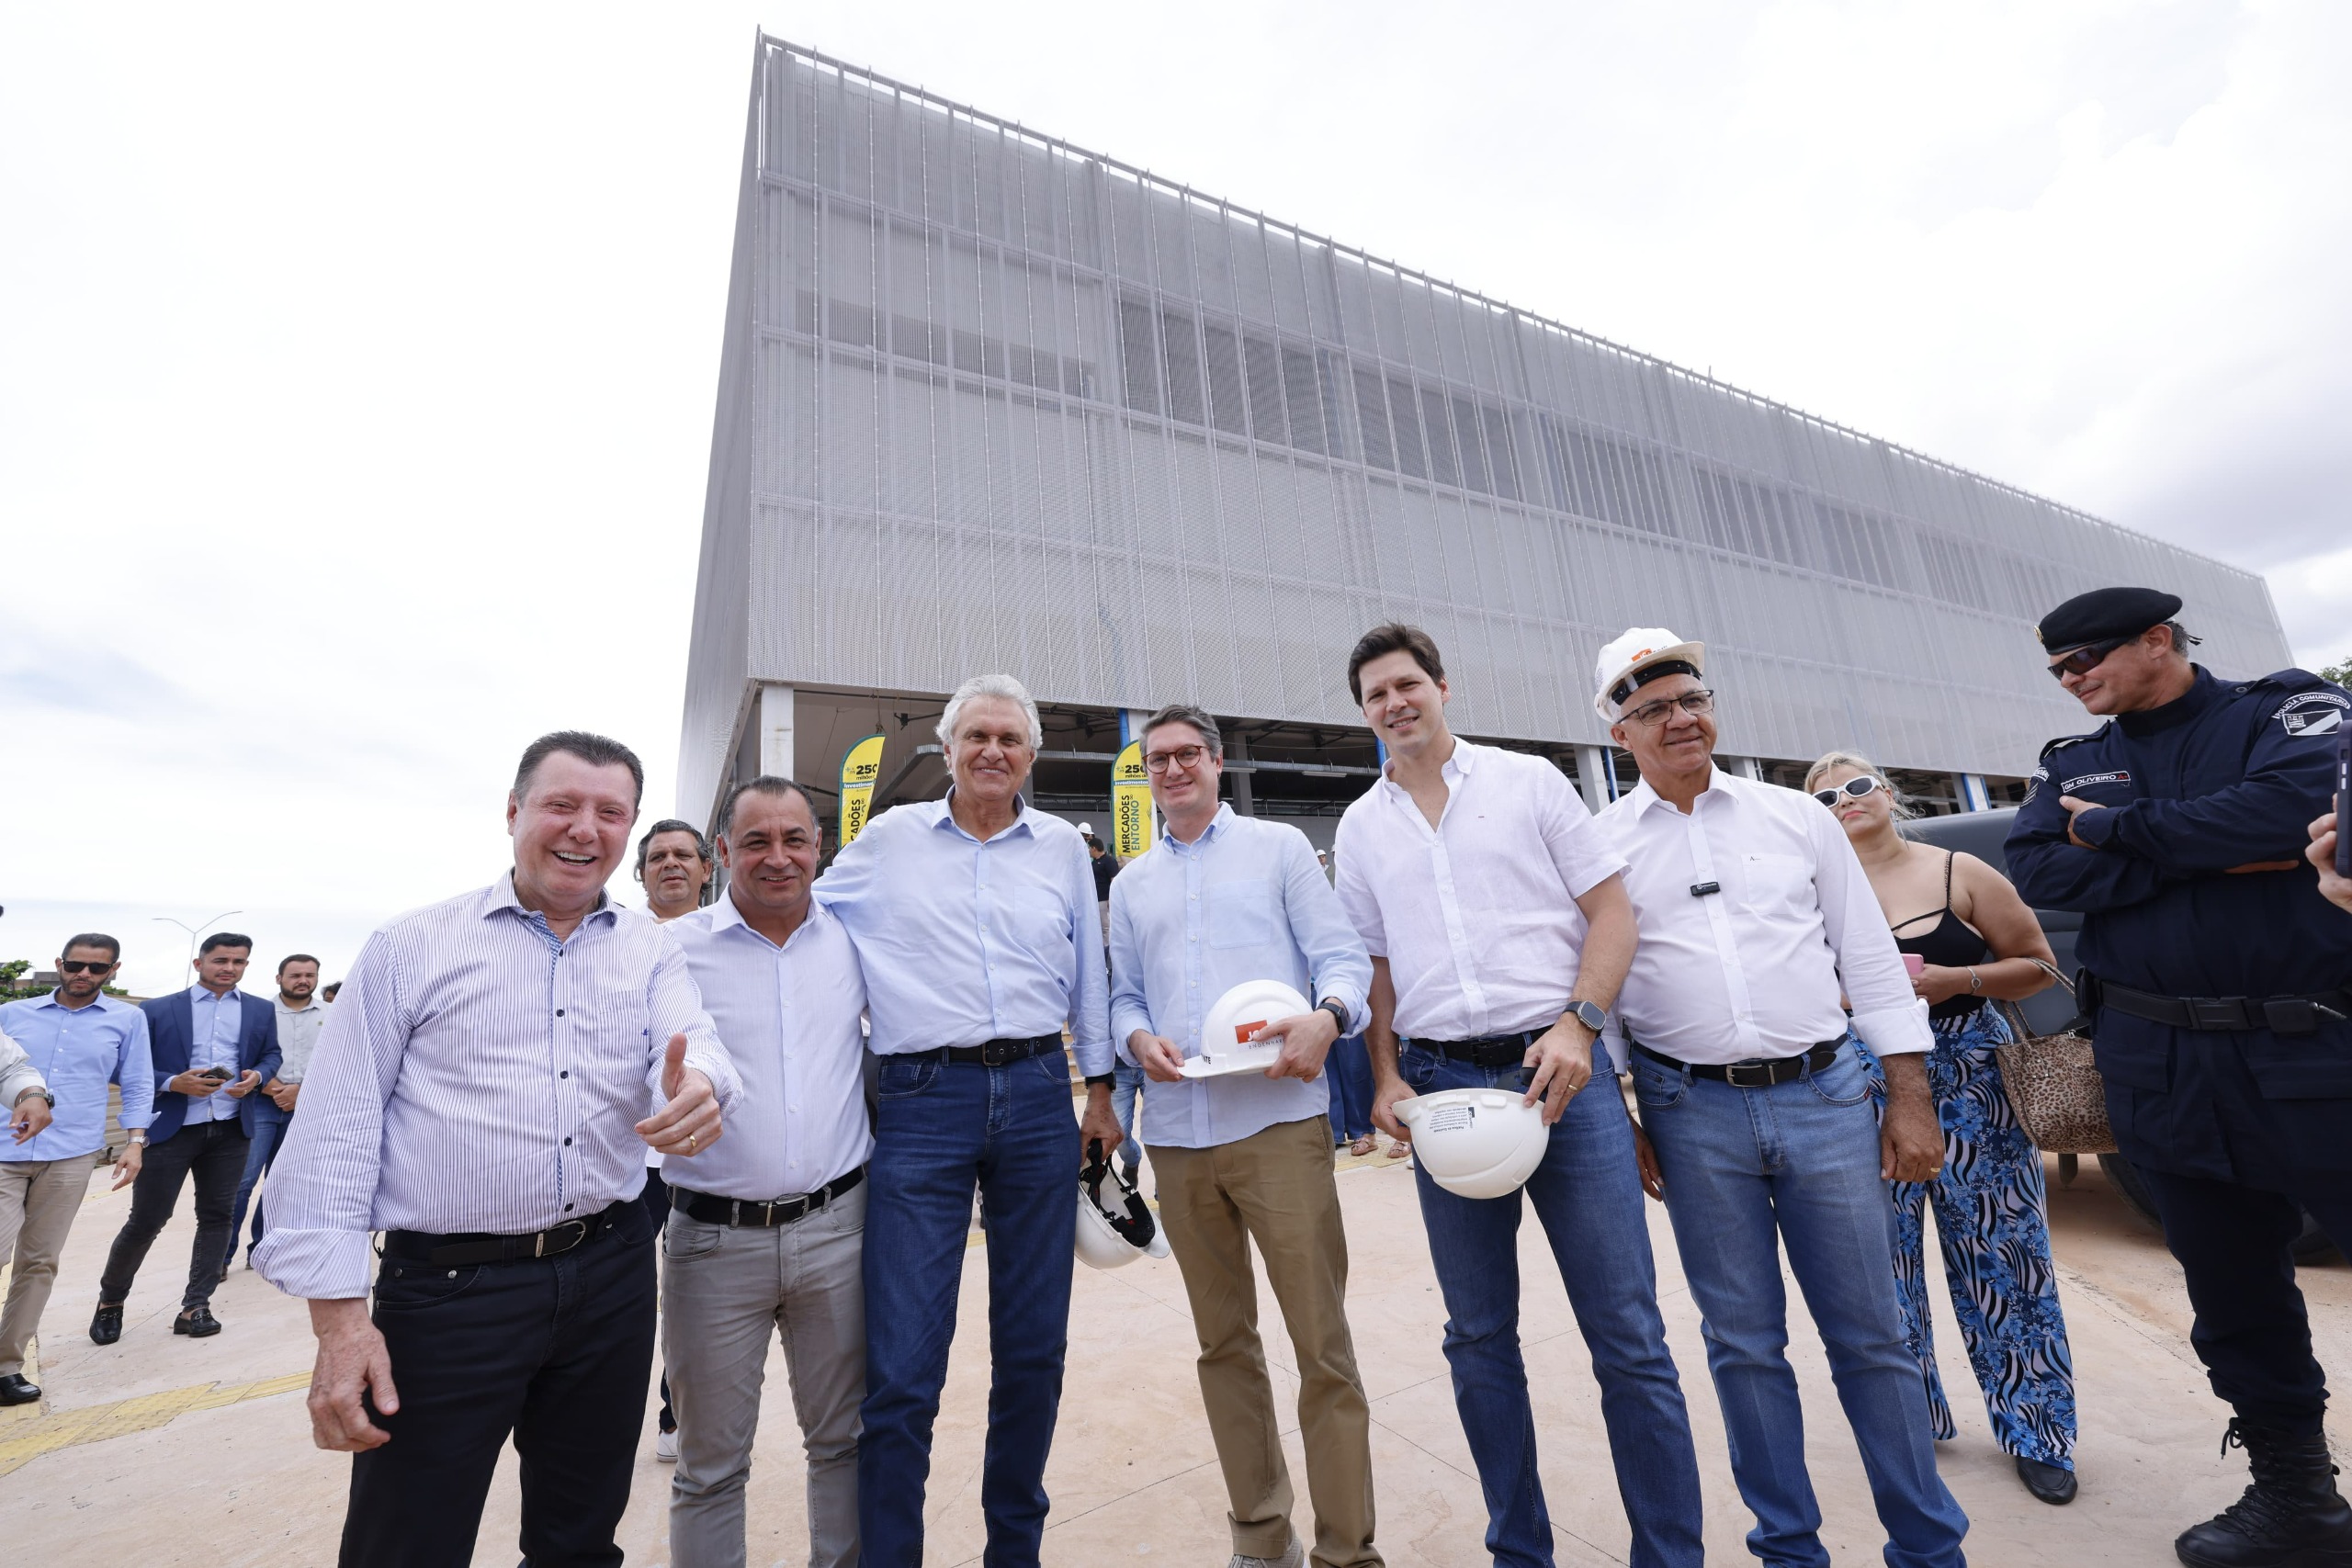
[[1130, 803], [860, 765]]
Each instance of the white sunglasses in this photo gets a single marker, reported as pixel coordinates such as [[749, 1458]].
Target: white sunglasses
[[1852, 789]]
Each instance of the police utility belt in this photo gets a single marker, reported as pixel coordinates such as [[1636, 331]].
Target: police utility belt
[[763, 1214], [2281, 1015]]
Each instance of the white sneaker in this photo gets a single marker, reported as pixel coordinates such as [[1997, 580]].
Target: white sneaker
[[665, 1447], [1294, 1556]]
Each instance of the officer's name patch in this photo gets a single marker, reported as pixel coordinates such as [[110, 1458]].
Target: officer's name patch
[[2071, 786], [2312, 713]]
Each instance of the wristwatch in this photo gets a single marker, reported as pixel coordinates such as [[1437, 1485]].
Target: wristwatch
[[1593, 1018], [137, 1135], [1337, 1008], [40, 1090]]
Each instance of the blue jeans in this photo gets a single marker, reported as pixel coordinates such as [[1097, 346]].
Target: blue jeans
[[944, 1128], [269, 1133], [1587, 1197], [1748, 1170], [1126, 1082], [1351, 1089]]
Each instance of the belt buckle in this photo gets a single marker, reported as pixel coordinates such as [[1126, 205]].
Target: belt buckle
[[539, 1246], [1763, 1071], [2223, 1014], [992, 1053]]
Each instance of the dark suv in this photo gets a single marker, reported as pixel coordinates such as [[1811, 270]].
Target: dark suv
[[1985, 834]]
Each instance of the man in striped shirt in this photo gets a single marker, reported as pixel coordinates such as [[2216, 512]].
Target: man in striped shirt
[[483, 1097]]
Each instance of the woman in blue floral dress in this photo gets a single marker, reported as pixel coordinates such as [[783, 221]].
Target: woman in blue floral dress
[[1974, 942]]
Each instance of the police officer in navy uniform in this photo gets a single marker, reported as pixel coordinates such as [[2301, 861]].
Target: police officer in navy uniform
[[2216, 978]]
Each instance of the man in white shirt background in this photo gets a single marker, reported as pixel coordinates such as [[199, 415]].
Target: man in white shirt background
[[299, 1018], [1499, 928], [1218, 902], [768, 1229], [1754, 915]]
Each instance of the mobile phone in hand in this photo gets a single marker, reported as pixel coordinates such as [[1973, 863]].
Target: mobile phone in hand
[[2344, 800]]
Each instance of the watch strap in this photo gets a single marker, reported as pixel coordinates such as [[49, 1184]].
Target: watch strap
[[1337, 1008]]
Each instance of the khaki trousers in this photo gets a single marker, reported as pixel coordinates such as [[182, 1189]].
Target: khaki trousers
[[39, 1198], [1274, 1187]]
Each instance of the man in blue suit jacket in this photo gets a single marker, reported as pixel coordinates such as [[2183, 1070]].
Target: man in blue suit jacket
[[213, 1046]]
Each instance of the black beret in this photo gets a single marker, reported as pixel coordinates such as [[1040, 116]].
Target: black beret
[[2104, 612]]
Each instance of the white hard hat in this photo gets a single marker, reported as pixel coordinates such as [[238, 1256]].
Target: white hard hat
[[1114, 1224], [1476, 1143], [1637, 649], [1237, 1015], [1086, 829]]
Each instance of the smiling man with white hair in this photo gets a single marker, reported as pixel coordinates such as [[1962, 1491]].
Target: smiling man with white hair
[[974, 919], [1755, 915]]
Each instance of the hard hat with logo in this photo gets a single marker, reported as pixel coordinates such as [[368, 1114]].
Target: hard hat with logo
[[1116, 1226], [1642, 648], [1476, 1142], [1236, 1016]]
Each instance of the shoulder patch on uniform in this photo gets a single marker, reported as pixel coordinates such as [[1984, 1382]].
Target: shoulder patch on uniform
[[2312, 713], [2065, 741]]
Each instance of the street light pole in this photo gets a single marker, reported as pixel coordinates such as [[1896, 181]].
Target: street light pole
[[196, 931]]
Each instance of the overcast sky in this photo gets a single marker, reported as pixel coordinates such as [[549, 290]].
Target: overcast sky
[[355, 381]]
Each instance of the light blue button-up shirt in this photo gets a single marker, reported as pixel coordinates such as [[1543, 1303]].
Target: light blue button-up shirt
[[78, 1052], [962, 941], [212, 1042], [1244, 901]]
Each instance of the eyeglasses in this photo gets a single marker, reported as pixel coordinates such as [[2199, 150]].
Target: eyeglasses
[[84, 967], [1183, 757], [1651, 714], [1852, 789], [2087, 657]]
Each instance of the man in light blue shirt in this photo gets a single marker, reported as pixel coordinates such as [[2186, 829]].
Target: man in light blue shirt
[[80, 1040], [976, 928], [1223, 899]]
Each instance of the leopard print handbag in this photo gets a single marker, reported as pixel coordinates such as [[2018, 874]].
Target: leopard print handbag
[[2054, 1085]]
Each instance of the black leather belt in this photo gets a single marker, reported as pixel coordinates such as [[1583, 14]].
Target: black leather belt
[[2285, 1015], [764, 1213], [1754, 1075], [457, 1251], [1488, 1050], [997, 1053]]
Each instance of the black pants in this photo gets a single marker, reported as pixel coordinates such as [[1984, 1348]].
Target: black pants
[[216, 1152], [657, 1206], [554, 1351], [2252, 1332]]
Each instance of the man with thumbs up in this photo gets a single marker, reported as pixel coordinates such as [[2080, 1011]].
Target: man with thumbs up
[[483, 1096]]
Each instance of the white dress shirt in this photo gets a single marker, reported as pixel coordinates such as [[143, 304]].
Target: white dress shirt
[[789, 1016], [1244, 901], [1753, 972], [964, 941], [1476, 917], [477, 1075]]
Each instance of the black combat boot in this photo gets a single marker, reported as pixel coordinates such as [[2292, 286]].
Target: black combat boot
[[2291, 1516]]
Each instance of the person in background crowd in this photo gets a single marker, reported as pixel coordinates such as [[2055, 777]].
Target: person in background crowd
[[211, 1046], [58, 1053], [1106, 867], [969, 918], [2222, 1013], [1755, 916], [300, 1019], [2336, 891], [674, 864], [1499, 928], [1219, 900], [484, 1102], [1977, 941], [1351, 1069], [766, 1231], [326, 993]]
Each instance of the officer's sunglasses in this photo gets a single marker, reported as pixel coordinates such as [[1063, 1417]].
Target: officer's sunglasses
[[1852, 789], [2087, 657], [84, 967]]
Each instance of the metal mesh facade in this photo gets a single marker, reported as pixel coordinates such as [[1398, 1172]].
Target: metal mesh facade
[[991, 401]]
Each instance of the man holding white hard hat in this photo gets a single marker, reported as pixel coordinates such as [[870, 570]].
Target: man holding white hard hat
[[1755, 917], [1224, 928], [1499, 930]]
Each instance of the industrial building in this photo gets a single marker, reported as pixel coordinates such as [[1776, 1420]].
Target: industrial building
[[991, 401]]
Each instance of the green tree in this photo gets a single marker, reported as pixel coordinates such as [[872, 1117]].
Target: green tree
[[2339, 673], [12, 981]]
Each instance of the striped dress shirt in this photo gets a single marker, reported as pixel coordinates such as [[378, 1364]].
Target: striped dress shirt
[[477, 1075]]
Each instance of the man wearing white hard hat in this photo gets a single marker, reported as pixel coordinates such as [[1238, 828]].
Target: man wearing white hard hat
[[1499, 930], [1229, 913], [1755, 917]]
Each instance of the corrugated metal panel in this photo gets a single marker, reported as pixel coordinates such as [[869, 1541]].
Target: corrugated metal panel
[[988, 399]]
